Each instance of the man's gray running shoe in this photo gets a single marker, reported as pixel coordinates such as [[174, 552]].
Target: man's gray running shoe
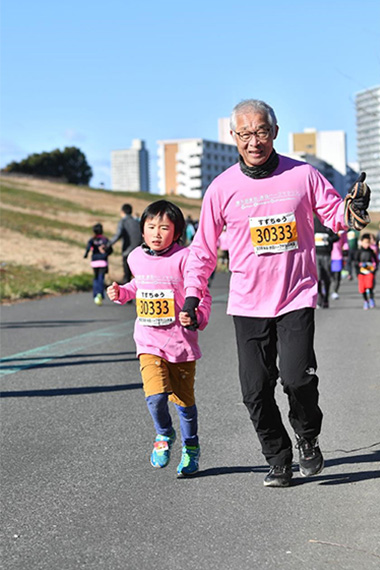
[[279, 476], [310, 456]]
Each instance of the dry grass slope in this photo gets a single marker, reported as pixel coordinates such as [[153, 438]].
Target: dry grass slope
[[45, 225]]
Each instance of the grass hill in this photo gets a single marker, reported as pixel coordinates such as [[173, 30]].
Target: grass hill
[[45, 227]]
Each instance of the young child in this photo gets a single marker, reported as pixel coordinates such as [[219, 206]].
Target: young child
[[367, 263], [100, 252], [337, 258], [167, 351]]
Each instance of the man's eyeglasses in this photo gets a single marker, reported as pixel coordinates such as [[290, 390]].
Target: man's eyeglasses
[[261, 135]]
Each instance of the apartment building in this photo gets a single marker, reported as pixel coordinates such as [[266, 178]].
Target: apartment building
[[130, 168], [368, 140], [329, 147], [187, 166], [224, 134]]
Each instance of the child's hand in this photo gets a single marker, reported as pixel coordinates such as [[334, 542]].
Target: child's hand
[[113, 291], [190, 310], [186, 321]]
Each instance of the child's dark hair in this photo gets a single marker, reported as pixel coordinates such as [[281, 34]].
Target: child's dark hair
[[365, 236], [160, 208], [97, 229]]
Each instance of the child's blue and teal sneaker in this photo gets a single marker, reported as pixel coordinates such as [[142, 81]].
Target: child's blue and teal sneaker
[[160, 456], [189, 461]]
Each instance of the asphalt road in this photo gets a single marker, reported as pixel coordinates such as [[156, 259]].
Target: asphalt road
[[77, 487]]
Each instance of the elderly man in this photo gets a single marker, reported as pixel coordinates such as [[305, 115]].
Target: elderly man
[[267, 202]]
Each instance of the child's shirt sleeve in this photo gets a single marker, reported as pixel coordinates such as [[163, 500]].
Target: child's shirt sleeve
[[127, 292], [89, 246]]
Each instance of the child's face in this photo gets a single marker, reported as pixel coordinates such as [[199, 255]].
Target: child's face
[[365, 243], [159, 232]]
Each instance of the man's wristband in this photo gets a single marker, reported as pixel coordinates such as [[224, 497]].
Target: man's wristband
[[190, 304]]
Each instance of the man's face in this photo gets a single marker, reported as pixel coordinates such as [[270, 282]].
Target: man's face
[[258, 148]]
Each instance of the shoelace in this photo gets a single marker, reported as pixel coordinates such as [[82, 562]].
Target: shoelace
[[188, 455], [307, 447], [278, 468]]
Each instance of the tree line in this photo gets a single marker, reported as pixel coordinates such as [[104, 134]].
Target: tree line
[[69, 165]]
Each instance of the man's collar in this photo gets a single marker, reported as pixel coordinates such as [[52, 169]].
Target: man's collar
[[262, 171]]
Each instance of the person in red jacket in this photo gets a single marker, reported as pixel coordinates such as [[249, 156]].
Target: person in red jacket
[[367, 265]]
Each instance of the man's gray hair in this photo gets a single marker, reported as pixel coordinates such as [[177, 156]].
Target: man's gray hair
[[253, 106]]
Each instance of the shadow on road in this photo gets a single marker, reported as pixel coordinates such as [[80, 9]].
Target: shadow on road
[[50, 324], [343, 478], [368, 458], [323, 479], [22, 359], [19, 364], [69, 391]]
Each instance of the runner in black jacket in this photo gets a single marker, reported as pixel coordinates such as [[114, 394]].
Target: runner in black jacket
[[324, 239], [129, 230]]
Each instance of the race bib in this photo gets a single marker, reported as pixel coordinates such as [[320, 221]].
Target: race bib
[[274, 234], [366, 268], [155, 307]]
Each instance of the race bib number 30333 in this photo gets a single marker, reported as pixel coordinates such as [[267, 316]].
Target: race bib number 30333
[[155, 307], [274, 234]]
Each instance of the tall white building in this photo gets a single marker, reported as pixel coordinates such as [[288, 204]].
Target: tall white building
[[368, 140], [224, 135], [187, 166], [130, 168]]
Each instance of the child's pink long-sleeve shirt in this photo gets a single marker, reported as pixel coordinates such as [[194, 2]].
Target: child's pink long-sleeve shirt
[[271, 237], [159, 291]]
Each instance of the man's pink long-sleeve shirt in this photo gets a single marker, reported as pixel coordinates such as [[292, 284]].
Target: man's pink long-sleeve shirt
[[271, 237]]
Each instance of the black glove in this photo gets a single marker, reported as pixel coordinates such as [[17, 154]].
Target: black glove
[[360, 193], [356, 204], [191, 303]]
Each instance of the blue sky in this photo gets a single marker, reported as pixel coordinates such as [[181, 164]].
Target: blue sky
[[98, 74]]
